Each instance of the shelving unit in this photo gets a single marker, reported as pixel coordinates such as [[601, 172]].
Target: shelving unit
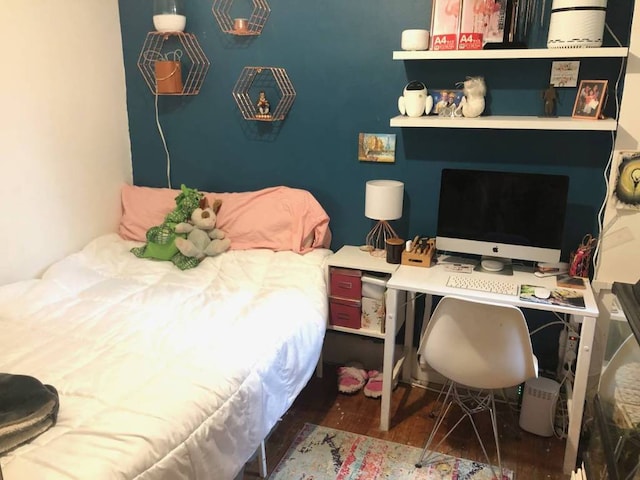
[[506, 122], [263, 78], [521, 54], [193, 58], [510, 122], [249, 27]]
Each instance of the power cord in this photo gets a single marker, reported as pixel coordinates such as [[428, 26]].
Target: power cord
[[164, 143]]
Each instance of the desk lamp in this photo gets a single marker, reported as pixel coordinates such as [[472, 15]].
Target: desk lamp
[[383, 202]]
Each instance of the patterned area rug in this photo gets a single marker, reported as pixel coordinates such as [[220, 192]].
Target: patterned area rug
[[320, 453]]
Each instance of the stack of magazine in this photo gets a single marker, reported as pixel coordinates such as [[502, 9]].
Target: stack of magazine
[[568, 293]]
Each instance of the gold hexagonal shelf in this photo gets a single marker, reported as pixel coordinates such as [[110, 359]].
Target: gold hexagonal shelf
[[162, 59], [241, 26], [250, 93]]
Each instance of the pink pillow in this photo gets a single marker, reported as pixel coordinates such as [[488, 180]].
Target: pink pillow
[[143, 208], [277, 218]]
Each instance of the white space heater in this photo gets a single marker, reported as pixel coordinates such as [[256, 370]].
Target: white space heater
[[538, 409]]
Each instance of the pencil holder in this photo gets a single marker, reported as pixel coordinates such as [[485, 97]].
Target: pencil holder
[[420, 258]]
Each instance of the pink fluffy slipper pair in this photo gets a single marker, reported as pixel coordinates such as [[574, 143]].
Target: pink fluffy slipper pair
[[352, 378]]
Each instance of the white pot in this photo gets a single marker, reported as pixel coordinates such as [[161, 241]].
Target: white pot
[[415, 39]]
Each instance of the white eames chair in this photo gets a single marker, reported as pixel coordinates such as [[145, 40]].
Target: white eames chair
[[479, 347]]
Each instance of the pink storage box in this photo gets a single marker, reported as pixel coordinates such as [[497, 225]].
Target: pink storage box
[[345, 283], [344, 312]]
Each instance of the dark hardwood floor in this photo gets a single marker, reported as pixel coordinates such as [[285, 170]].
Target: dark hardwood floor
[[531, 457]]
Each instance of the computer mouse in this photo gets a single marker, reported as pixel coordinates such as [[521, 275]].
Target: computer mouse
[[541, 292]]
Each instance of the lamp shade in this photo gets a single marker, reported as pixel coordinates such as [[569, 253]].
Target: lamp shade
[[383, 199]]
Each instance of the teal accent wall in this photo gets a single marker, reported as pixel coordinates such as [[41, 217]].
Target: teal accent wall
[[338, 55]]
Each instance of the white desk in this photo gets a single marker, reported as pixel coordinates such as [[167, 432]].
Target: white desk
[[432, 281]]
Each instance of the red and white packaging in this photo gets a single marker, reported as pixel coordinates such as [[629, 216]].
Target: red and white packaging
[[481, 22], [445, 24]]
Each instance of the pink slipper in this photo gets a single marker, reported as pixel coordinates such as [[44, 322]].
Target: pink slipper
[[373, 388], [351, 379]]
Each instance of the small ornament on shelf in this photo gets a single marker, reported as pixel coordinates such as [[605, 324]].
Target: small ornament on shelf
[[415, 100], [263, 107], [550, 99], [473, 103]]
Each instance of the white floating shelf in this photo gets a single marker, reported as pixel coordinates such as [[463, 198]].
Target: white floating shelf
[[512, 122], [512, 53]]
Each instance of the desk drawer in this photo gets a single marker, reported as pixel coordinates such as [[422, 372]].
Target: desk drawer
[[345, 283], [345, 312]]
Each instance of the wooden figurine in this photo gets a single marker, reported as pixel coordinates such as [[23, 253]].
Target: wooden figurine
[[550, 99]]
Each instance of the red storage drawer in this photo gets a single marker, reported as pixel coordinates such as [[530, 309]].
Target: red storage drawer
[[345, 283], [344, 312]]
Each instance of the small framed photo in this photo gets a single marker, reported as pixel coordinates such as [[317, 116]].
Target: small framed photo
[[590, 99], [445, 102], [377, 147]]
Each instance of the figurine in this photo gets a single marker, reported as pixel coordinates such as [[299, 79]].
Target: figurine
[[415, 100], [263, 106], [472, 104], [550, 98]]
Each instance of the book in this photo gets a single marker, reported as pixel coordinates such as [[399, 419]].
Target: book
[[567, 281], [482, 22], [445, 23], [550, 269], [565, 297]]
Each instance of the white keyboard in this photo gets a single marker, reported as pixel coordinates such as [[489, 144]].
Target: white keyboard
[[473, 282]]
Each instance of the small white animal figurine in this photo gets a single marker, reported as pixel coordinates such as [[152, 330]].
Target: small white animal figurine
[[415, 100], [472, 104]]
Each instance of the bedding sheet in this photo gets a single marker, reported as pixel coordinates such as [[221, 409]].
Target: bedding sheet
[[162, 373]]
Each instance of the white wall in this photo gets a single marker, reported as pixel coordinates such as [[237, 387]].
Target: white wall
[[620, 241], [64, 141]]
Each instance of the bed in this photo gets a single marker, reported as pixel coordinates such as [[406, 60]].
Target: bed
[[164, 373]]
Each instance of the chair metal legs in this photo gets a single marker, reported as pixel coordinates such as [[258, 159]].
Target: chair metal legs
[[470, 402]]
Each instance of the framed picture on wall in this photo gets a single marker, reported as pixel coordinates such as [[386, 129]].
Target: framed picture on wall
[[590, 99], [377, 147]]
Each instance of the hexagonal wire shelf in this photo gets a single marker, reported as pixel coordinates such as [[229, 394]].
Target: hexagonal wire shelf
[[238, 26], [192, 57], [254, 79]]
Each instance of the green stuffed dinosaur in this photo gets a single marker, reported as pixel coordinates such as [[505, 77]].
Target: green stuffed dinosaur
[[161, 239]]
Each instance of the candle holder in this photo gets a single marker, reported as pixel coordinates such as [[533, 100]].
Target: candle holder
[[240, 25]]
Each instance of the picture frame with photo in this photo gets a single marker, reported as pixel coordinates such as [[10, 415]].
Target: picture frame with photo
[[445, 102], [590, 99]]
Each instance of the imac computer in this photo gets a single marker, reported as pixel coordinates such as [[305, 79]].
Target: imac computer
[[501, 216]]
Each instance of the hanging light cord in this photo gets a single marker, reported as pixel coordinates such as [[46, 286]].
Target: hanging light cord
[[164, 143]]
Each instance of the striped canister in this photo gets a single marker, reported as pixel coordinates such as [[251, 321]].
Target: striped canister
[[576, 23]]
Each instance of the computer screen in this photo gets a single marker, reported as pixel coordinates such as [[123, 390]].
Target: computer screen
[[502, 214]]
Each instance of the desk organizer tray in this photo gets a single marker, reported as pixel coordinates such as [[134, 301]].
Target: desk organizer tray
[[420, 258]]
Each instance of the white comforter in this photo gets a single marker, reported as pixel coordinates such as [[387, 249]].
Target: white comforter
[[162, 374]]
